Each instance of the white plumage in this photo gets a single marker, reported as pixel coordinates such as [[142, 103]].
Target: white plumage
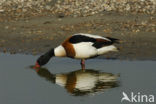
[[84, 50], [106, 49], [92, 36]]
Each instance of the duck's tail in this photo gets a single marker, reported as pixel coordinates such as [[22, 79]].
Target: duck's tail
[[114, 40]]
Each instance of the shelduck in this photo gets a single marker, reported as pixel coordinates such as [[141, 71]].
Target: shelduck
[[80, 46]]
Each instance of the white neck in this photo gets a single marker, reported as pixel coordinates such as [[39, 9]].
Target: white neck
[[60, 51]]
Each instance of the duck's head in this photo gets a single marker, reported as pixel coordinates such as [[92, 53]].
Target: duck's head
[[43, 59]]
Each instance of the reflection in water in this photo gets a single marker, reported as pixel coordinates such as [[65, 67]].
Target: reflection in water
[[81, 82]]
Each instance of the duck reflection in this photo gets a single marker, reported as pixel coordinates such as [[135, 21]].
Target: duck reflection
[[81, 82]]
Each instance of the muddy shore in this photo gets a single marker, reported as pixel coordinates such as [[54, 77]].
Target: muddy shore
[[36, 35]]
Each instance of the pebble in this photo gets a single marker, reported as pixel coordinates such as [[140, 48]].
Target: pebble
[[76, 8], [1, 10]]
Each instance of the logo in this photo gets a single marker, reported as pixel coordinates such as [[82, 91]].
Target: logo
[[138, 97]]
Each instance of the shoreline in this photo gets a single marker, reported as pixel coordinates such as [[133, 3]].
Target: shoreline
[[36, 35]]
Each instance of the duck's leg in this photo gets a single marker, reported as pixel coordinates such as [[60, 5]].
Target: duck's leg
[[83, 64]]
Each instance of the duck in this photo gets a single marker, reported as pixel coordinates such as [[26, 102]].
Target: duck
[[80, 46]]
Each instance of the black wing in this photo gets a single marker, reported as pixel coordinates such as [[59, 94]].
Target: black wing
[[81, 38], [102, 42]]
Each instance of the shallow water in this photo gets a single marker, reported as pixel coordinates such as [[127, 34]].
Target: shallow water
[[62, 81]]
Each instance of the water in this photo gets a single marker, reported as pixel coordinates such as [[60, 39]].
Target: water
[[102, 83]]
